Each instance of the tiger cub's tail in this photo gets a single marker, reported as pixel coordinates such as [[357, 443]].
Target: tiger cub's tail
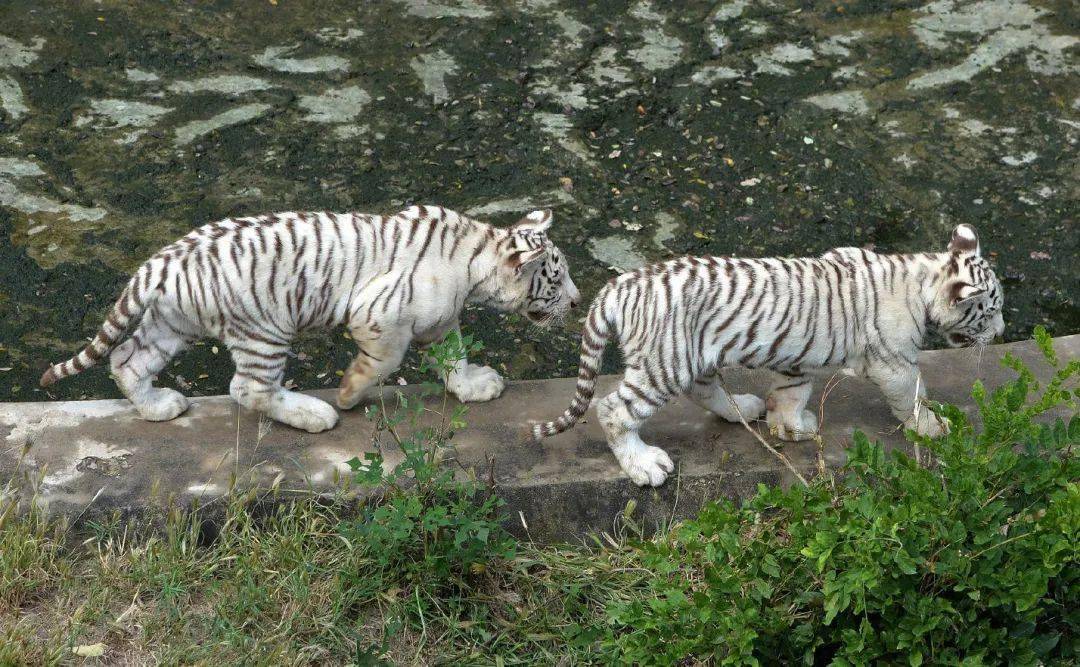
[[593, 341], [136, 297]]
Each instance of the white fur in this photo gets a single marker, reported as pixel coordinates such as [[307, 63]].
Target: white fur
[[732, 408], [786, 416], [134, 371], [677, 323], [258, 282], [644, 464], [475, 384], [306, 413]]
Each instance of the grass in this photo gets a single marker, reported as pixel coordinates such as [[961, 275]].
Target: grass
[[279, 589]]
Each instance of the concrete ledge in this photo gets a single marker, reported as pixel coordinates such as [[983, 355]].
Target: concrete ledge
[[86, 458]]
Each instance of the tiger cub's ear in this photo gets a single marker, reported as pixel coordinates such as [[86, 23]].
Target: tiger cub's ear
[[961, 292], [520, 259], [537, 221], [964, 240]]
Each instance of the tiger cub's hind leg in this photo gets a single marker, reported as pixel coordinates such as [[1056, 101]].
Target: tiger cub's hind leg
[[709, 393], [786, 404], [260, 368], [137, 361], [621, 414]]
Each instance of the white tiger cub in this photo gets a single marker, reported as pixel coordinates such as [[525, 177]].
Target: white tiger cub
[[256, 282], [678, 323]]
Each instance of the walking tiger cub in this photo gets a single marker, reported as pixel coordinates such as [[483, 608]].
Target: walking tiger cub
[[256, 282], [678, 323]]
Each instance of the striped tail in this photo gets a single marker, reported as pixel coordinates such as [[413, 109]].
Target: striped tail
[[131, 304], [593, 341]]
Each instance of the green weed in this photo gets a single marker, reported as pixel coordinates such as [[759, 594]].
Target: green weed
[[969, 560]]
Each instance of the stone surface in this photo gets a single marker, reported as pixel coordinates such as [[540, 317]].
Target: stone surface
[[86, 458]]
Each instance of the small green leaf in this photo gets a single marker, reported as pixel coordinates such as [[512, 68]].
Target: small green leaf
[[770, 566]]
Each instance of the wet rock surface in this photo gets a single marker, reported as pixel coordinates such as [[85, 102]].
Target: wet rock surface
[[652, 128]]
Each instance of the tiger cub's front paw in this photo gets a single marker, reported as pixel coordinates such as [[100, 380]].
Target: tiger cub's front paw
[[476, 384]]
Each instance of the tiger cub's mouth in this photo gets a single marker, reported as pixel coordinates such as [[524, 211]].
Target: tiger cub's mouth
[[965, 340], [536, 315], [960, 340]]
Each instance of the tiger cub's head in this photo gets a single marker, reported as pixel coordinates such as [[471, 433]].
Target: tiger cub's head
[[967, 310], [536, 278]]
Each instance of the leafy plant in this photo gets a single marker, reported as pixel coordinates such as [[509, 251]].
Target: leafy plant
[[428, 531], [972, 559]]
